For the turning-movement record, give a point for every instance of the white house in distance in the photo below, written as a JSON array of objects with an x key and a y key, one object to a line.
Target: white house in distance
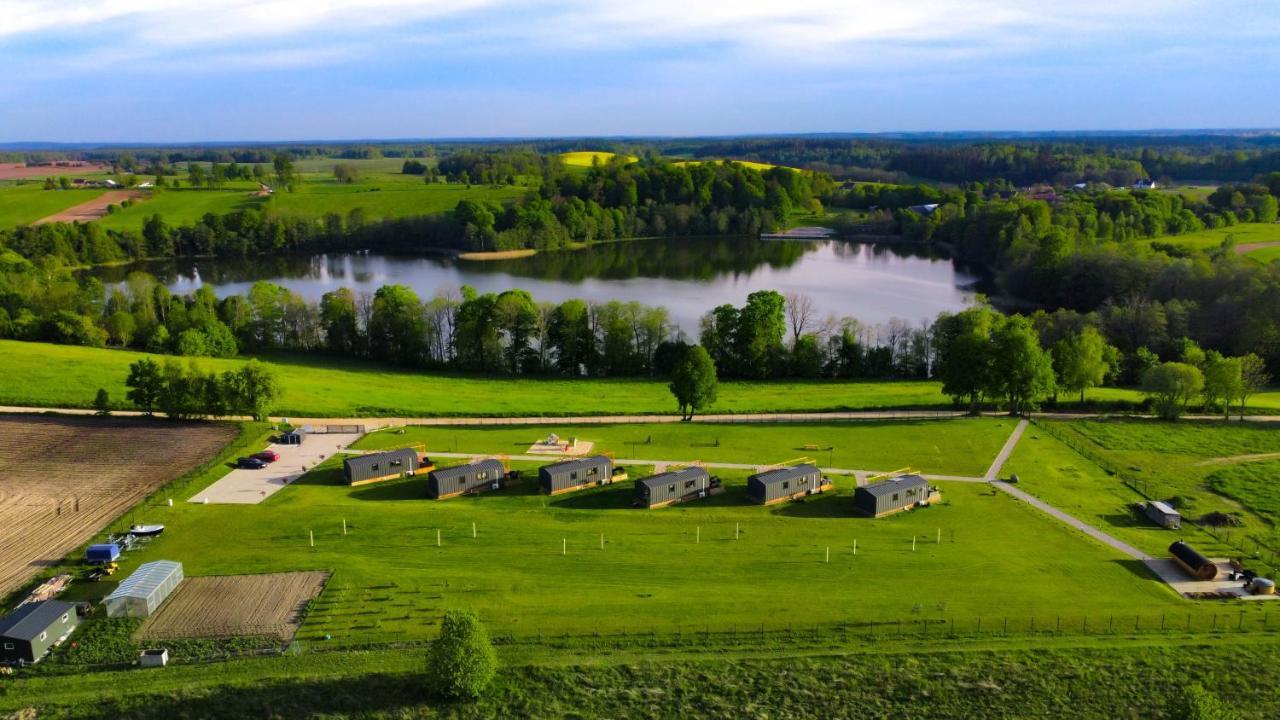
[{"x": 1145, "y": 184}]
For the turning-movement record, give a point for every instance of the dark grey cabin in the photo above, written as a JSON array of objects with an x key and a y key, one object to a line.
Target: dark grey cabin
[
  {"x": 379, "y": 466},
  {"x": 785, "y": 483},
  {"x": 575, "y": 474},
  {"x": 672, "y": 487},
  {"x": 473, "y": 477},
  {"x": 889, "y": 496},
  {"x": 29, "y": 632}
]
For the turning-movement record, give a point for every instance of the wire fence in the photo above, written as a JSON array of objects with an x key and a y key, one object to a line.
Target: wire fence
[{"x": 725, "y": 417}]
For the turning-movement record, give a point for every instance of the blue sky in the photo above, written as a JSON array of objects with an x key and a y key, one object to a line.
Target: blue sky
[{"x": 186, "y": 70}]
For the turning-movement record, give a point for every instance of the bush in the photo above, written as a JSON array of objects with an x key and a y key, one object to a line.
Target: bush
[{"x": 461, "y": 662}]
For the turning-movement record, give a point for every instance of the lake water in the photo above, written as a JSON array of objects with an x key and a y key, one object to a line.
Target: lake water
[{"x": 687, "y": 276}]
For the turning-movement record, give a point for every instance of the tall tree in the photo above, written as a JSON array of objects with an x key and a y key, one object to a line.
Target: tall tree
[
  {"x": 1081, "y": 360},
  {"x": 1171, "y": 386},
  {"x": 693, "y": 382},
  {"x": 1253, "y": 377},
  {"x": 145, "y": 384},
  {"x": 1021, "y": 371}
]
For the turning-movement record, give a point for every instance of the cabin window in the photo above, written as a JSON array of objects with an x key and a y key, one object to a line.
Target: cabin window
[
  {"x": 786, "y": 484},
  {"x": 592, "y": 471},
  {"x": 43, "y": 635},
  {"x": 671, "y": 487},
  {"x": 895, "y": 497},
  {"x": 396, "y": 463},
  {"x": 804, "y": 481},
  {"x": 373, "y": 466},
  {"x": 8, "y": 646},
  {"x": 689, "y": 483},
  {"x": 65, "y": 617},
  {"x": 482, "y": 475},
  {"x": 573, "y": 476}
]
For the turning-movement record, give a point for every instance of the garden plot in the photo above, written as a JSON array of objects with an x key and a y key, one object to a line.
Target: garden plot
[{"x": 270, "y": 605}]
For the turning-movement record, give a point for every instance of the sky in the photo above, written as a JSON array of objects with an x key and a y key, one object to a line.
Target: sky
[{"x": 234, "y": 70}]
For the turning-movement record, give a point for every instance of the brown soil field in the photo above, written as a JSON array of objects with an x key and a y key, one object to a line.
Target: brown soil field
[
  {"x": 93, "y": 209},
  {"x": 19, "y": 171},
  {"x": 233, "y": 605},
  {"x": 64, "y": 479}
]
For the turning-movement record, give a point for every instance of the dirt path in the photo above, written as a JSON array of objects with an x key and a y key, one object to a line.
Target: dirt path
[
  {"x": 1080, "y": 525},
  {"x": 1250, "y": 247},
  {"x": 91, "y": 210},
  {"x": 994, "y": 471},
  {"x": 1238, "y": 459}
]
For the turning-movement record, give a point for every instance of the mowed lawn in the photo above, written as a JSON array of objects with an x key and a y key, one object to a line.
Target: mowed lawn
[
  {"x": 23, "y": 204},
  {"x": 319, "y": 386},
  {"x": 963, "y": 446},
  {"x": 183, "y": 206},
  {"x": 384, "y": 196},
  {"x": 535, "y": 564}
]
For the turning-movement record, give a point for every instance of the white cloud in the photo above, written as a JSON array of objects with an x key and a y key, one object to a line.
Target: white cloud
[{"x": 805, "y": 33}]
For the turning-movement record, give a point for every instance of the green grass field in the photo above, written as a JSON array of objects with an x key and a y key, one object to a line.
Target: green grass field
[
  {"x": 320, "y": 386},
  {"x": 535, "y": 566},
  {"x": 381, "y": 196},
  {"x": 955, "y": 447},
  {"x": 23, "y": 204},
  {"x": 1243, "y": 234}
]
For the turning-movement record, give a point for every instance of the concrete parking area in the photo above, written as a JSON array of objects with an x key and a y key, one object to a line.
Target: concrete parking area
[{"x": 247, "y": 487}]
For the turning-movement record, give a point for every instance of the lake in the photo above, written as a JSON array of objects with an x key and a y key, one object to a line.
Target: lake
[{"x": 872, "y": 282}]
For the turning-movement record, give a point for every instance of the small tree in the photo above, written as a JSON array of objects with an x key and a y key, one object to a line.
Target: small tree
[
  {"x": 1222, "y": 382},
  {"x": 102, "y": 402},
  {"x": 255, "y": 388},
  {"x": 1171, "y": 386},
  {"x": 461, "y": 661},
  {"x": 145, "y": 384},
  {"x": 1253, "y": 376},
  {"x": 693, "y": 382}
]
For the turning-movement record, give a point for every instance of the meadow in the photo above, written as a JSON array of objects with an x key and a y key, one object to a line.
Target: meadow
[
  {"x": 1243, "y": 234},
  {"x": 586, "y": 562},
  {"x": 26, "y": 202}
]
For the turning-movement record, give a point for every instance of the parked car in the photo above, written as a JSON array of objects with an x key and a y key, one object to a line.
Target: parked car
[
  {"x": 250, "y": 463},
  {"x": 267, "y": 456}
]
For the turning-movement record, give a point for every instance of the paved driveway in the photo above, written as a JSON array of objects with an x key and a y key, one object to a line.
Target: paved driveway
[{"x": 254, "y": 486}]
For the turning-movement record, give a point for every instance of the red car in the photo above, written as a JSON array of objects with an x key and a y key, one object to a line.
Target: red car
[{"x": 269, "y": 456}]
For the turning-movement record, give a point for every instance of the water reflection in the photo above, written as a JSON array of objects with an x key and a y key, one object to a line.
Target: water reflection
[{"x": 688, "y": 276}]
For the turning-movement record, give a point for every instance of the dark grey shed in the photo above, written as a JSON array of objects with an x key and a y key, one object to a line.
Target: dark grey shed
[
  {"x": 379, "y": 466},
  {"x": 672, "y": 487},
  {"x": 890, "y": 496},
  {"x": 575, "y": 474},
  {"x": 27, "y": 633},
  {"x": 473, "y": 477},
  {"x": 1163, "y": 515},
  {"x": 785, "y": 483}
]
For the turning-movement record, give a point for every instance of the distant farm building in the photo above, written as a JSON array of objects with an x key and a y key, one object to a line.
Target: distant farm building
[
  {"x": 785, "y": 483},
  {"x": 1163, "y": 515},
  {"x": 1145, "y": 184},
  {"x": 376, "y": 467},
  {"x": 465, "y": 479},
  {"x": 924, "y": 210},
  {"x": 575, "y": 474},
  {"x": 673, "y": 487},
  {"x": 1199, "y": 566},
  {"x": 894, "y": 495},
  {"x": 29, "y": 632},
  {"x": 142, "y": 593}
]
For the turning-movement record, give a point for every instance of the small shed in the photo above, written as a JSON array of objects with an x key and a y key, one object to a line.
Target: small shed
[
  {"x": 1163, "y": 515},
  {"x": 376, "y": 467},
  {"x": 154, "y": 657},
  {"x": 28, "y": 633},
  {"x": 142, "y": 593},
  {"x": 473, "y": 477},
  {"x": 669, "y": 488},
  {"x": 292, "y": 437},
  {"x": 786, "y": 483},
  {"x": 894, "y": 495},
  {"x": 1199, "y": 566},
  {"x": 576, "y": 474}
]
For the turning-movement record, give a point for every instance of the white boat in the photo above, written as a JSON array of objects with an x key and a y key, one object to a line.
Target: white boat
[{"x": 146, "y": 530}]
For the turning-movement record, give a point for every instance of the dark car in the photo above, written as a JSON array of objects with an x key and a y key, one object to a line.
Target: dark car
[
  {"x": 267, "y": 456},
  {"x": 250, "y": 463}
]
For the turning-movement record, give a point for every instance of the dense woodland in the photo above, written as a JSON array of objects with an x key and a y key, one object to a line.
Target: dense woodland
[{"x": 1080, "y": 257}]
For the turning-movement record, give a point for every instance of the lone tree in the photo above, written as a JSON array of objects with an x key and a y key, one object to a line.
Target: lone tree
[
  {"x": 254, "y": 388},
  {"x": 102, "y": 402},
  {"x": 1171, "y": 386},
  {"x": 145, "y": 384},
  {"x": 461, "y": 661},
  {"x": 694, "y": 382},
  {"x": 1253, "y": 376},
  {"x": 1081, "y": 360}
]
